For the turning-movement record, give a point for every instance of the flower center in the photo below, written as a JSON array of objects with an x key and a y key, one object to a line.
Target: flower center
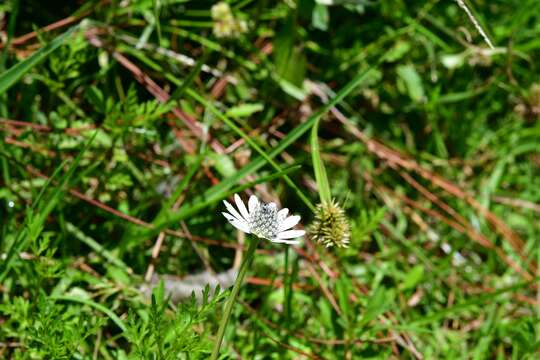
[{"x": 263, "y": 221}]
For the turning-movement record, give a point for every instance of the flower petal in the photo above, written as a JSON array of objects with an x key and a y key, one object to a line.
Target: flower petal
[
  {"x": 239, "y": 224},
  {"x": 233, "y": 211},
  {"x": 253, "y": 203},
  {"x": 241, "y": 207},
  {"x": 282, "y": 214},
  {"x": 228, "y": 216},
  {"x": 289, "y": 222},
  {"x": 289, "y": 242},
  {"x": 291, "y": 234}
]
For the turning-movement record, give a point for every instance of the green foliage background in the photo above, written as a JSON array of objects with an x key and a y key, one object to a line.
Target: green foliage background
[{"x": 124, "y": 120}]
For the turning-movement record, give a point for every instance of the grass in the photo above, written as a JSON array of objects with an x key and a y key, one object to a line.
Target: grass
[{"x": 124, "y": 125}]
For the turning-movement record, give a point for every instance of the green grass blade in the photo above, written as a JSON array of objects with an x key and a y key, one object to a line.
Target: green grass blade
[{"x": 318, "y": 166}]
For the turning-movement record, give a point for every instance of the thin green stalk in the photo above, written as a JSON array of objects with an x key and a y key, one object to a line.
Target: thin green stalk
[
  {"x": 318, "y": 166},
  {"x": 254, "y": 241},
  {"x": 286, "y": 287}
]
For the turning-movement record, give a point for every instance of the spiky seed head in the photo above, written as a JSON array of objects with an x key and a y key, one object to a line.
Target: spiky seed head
[{"x": 331, "y": 225}]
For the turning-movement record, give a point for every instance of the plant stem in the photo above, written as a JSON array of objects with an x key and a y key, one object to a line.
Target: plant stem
[
  {"x": 248, "y": 258},
  {"x": 286, "y": 289}
]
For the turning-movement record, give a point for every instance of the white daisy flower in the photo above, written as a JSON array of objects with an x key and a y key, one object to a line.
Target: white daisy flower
[{"x": 263, "y": 220}]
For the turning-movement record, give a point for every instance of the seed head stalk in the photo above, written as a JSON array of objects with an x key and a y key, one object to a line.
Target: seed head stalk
[{"x": 248, "y": 259}]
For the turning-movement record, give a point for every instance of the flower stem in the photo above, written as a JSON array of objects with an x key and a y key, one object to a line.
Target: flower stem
[
  {"x": 248, "y": 258},
  {"x": 286, "y": 287}
]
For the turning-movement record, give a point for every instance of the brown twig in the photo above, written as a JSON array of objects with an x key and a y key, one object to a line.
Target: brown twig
[
  {"x": 518, "y": 203},
  {"x": 56, "y": 25}
]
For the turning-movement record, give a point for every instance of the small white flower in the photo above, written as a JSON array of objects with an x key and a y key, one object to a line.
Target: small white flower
[{"x": 263, "y": 220}]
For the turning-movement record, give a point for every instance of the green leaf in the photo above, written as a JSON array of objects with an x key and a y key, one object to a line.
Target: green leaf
[
  {"x": 397, "y": 51},
  {"x": 223, "y": 164},
  {"x": 244, "y": 110},
  {"x": 96, "y": 98},
  {"x": 296, "y": 92},
  {"x": 158, "y": 293},
  {"x": 413, "y": 82},
  {"x": 320, "y": 17},
  {"x": 326, "y": 312},
  {"x": 413, "y": 277},
  {"x": 377, "y": 304}
]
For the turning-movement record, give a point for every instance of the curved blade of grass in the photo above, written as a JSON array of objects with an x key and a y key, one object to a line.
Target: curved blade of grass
[
  {"x": 318, "y": 166},
  {"x": 13, "y": 74},
  {"x": 291, "y": 137}
]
